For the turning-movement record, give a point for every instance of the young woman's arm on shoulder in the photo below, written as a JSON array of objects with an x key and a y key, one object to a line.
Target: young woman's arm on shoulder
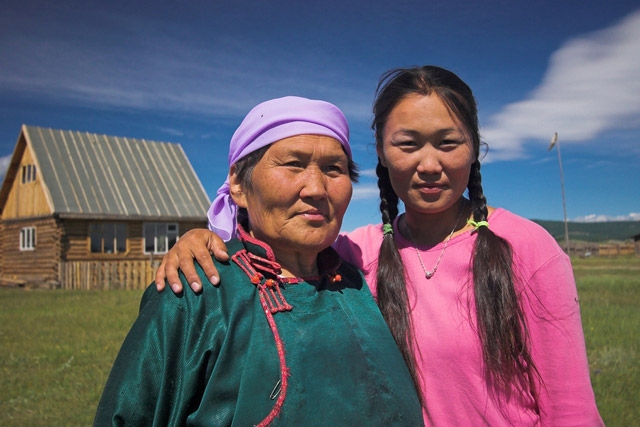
[{"x": 198, "y": 245}]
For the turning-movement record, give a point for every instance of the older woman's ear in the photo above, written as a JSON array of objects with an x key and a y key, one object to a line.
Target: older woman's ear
[{"x": 236, "y": 190}]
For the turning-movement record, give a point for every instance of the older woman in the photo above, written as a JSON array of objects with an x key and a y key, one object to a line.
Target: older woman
[{"x": 294, "y": 337}]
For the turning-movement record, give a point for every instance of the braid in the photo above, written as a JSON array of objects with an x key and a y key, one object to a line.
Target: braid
[
  {"x": 501, "y": 323},
  {"x": 388, "y": 197},
  {"x": 393, "y": 299},
  {"x": 476, "y": 194}
]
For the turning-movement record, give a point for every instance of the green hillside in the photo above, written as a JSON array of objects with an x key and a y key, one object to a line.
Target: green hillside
[{"x": 593, "y": 231}]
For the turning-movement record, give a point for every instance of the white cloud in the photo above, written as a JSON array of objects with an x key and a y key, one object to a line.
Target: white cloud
[
  {"x": 172, "y": 131},
  {"x": 369, "y": 173},
  {"x": 365, "y": 191},
  {"x": 165, "y": 71},
  {"x": 592, "y": 85},
  {"x": 4, "y": 165},
  {"x": 633, "y": 216}
]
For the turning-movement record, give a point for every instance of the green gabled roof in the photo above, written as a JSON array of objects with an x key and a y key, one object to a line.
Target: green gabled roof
[{"x": 88, "y": 174}]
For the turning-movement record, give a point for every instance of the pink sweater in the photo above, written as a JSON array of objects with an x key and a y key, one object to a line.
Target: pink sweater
[{"x": 448, "y": 350}]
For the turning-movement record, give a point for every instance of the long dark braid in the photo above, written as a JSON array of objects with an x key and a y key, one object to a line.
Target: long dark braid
[
  {"x": 392, "y": 296},
  {"x": 501, "y": 321},
  {"x": 501, "y": 325}
]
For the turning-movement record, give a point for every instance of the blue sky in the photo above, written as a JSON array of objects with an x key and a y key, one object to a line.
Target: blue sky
[{"x": 188, "y": 72}]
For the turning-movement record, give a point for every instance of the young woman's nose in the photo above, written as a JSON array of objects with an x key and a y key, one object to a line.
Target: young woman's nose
[{"x": 429, "y": 163}]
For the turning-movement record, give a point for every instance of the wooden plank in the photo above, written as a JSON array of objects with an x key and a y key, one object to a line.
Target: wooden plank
[{"x": 99, "y": 275}]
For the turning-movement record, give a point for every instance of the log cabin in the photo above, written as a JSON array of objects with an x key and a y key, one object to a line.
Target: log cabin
[{"x": 87, "y": 211}]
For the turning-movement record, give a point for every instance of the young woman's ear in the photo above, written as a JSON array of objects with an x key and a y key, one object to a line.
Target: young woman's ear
[
  {"x": 235, "y": 188},
  {"x": 380, "y": 153}
]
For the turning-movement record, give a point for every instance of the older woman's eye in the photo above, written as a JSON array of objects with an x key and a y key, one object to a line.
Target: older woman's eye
[
  {"x": 293, "y": 164},
  {"x": 336, "y": 169},
  {"x": 341, "y": 169}
]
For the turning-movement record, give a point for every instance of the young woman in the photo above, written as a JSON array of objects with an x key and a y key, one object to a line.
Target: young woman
[{"x": 481, "y": 302}]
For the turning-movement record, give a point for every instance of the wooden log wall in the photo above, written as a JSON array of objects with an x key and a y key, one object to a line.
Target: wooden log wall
[
  {"x": 616, "y": 249},
  {"x": 81, "y": 269},
  {"x": 62, "y": 258},
  {"x": 76, "y": 241},
  {"x": 40, "y": 265}
]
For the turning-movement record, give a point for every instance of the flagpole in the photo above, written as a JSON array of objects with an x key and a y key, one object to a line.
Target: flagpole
[{"x": 554, "y": 142}]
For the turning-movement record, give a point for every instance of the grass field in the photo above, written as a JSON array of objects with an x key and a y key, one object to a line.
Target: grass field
[
  {"x": 609, "y": 291},
  {"x": 57, "y": 347},
  {"x": 56, "y": 350}
]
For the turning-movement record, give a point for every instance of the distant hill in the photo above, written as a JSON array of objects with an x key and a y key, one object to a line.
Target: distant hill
[{"x": 593, "y": 231}]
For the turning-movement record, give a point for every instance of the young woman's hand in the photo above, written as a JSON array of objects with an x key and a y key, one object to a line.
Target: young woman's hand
[{"x": 197, "y": 244}]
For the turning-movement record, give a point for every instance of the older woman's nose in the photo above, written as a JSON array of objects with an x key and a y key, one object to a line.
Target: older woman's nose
[{"x": 314, "y": 184}]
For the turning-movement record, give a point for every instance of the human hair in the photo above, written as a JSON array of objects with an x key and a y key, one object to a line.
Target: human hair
[
  {"x": 244, "y": 171},
  {"x": 501, "y": 325}
]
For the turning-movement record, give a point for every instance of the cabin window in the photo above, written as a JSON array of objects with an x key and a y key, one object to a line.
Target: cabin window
[
  {"x": 28, "y": 173},
  {"x": 108, "y": 237},
  {"x": 27, "y": 238},
  {"x": 159, "y": 237}
]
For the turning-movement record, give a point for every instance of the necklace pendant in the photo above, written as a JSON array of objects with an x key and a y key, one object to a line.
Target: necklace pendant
[{"x": 429, "y": 274}]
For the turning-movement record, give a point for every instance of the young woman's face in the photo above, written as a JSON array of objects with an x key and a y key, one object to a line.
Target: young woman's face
[
  {"x": 427, "y": 152},
  {"x": 300, "y": 192}
]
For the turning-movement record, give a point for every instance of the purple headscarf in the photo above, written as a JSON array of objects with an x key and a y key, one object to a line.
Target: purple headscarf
[{"x": 265, "y": 124}]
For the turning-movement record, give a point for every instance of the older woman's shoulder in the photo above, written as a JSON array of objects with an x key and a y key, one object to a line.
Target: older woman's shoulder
[{"x": 234, "y": 288}]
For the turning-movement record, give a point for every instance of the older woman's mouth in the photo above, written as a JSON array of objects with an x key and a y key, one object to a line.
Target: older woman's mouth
[{"x": 314, "y": 215}]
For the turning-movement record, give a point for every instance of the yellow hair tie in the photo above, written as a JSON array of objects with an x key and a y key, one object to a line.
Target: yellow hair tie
[
  {"x": 477, "y": 225},
  {"x": 387, "y": 229}
]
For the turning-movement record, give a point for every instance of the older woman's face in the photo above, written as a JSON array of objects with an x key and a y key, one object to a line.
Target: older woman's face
[{"x": 300, "y": 192}]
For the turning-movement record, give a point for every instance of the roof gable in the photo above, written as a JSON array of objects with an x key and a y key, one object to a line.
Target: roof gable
[{"x": 86, "y": 174}]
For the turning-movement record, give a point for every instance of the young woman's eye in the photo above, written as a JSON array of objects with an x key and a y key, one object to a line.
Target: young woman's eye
[
  {"x": 450, "y": 143},
  {"x": 404, "y": 143}
]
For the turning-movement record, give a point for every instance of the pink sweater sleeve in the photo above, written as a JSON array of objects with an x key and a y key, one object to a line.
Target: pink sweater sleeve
[
  {"x": 361, "y": 248},
  {"x": 553, "y": 314}
]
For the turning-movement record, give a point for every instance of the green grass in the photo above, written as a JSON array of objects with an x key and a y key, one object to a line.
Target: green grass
[
  {"x": 56, "y": 350},
  {"x": 57, "y": 347},
  {"x": 609, "y": 290}
]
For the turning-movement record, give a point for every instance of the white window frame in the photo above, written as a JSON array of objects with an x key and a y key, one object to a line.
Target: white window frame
[
  {"x": 165, "y": 234},
  {"x": 27, "y": 238}
]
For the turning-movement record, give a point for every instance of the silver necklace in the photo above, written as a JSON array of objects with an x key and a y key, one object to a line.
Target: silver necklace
[{"x": 430, "y": 273}]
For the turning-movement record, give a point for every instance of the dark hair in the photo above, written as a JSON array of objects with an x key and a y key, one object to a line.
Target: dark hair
[
  {"x": 244, "y": 171},
  {"x": 500, "y": 320}
]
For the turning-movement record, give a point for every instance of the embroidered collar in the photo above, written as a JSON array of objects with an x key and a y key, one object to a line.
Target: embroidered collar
[{"x": 263, "y": 259}]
